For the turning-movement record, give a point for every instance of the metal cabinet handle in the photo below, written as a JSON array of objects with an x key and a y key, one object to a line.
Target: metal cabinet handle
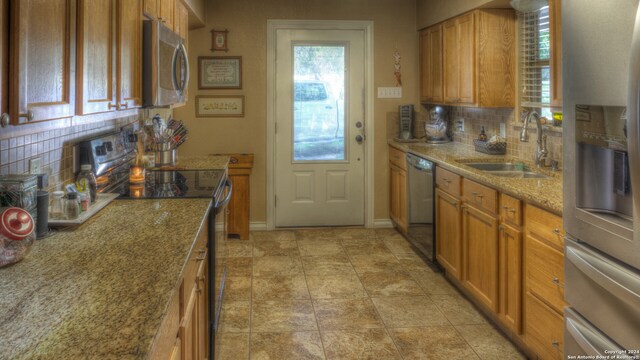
[
  {"x": 477, "y": 195},
  {"x": 508, "y": 209},
  {"x": 447, "y": 180},
  {"x": 555, "y": 343},
  {"x": 113, "y": 106},
  {"x": 501, "y": 227},
  {"x": 200, "y": 258},
  {"x": 124, "y": 105},
  {"x": 29, "y": 115},
  {"x": 556, "y": 231},
  {"x": 4, "y": 120},
  {"x": 556, "y": 281},
  {"x": 202, "y": 251}
]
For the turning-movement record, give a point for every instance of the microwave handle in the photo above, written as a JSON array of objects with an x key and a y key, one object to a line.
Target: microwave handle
[{"x": 183, "y": 49}]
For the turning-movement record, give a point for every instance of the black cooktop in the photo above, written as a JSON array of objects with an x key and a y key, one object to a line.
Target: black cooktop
[{"x": 161, "y": 184}]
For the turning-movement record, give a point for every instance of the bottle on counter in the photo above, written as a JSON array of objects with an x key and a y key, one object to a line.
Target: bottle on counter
[
  {"x": 73, "y": 206},
  {"x": 86, "y": 182},
  {"x": 483, "y": 135},
  {"x": 84, "y": 199}
]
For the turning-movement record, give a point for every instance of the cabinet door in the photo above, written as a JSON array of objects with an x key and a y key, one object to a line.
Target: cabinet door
[
  {"x": 511, "y": 278},
  {"x": 451, "y": 61},
  {"x": 448, "y": 231},
  {"x": 129, "y": 54},
  {"x": 435, "y": 64},
  {"x": 96, "y": 47},
  {"x": 480, "y": 254},
  {"x": 166, "y": 12},
  {"x": 181, "y": 20},
  {"x": 202, "y": 289},
  {"x": 466, "y": 56},
  {"x": 4, "y": 59},
  {"x": 555, "y": 22},
  {"x": 398, "y": 211},
  {"x": 151, "y": 8},
  {"x": 425, "y": 91},
  {"x": 43, "y": 60},
  {"x": 188, "y": 327}
]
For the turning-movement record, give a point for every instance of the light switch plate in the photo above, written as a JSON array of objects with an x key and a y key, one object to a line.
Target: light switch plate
[
  {"x": 460, "y": 124},
  {"x": 35, "y": 166},
  {"x": 389, "y": 92}
]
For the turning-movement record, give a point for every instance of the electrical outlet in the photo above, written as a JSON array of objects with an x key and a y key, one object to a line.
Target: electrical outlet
[
  {"x": 460, "y": 124},
  {"x": 389, "y": 92},
  {"x": 35, "y": 166}
]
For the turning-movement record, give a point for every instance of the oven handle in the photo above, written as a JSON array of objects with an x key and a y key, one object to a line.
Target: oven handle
[{"x": 226, "y": 200}]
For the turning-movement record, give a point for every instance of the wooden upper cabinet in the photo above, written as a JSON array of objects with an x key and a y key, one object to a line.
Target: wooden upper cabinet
[
  {"x": 555, "y": 22},
  {"x": 478, "y": 59},
  {"x": 152, "y": 8},
  {"x": 166, "y": 15},
  {"x": 43, "y": 46},
  {"x": 4, "y": 60},
  {"x": 431, "y": 64},
  {"x": 181, "y": 20},
  {"x": 96, "y": 55},
  {"x": 129, "y": 54}
]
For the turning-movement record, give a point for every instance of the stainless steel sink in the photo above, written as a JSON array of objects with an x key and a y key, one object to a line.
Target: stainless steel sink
[{"x": 511, "y": 170}]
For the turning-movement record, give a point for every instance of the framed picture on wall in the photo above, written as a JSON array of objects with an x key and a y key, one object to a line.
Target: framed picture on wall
[
  {"x": 220, "y": 106},
  {"x": 219, "y": 40},
  {"x": 219, "y": 72}
]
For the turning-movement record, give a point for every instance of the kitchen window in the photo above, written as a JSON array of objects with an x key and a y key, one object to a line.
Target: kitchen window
[{"x": 535, "y": 59}]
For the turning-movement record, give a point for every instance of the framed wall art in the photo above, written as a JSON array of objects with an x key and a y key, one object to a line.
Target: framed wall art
[
  {"x": 219, "y": 72},
  {"x": 219, "y": 40},
  {"x": 219, "y": 106}
]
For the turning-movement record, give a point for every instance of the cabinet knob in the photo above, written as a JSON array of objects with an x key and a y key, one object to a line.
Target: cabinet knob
[
  {"x": 555, "y": 343},
  {"x": 556, "y": 231},
  {"x": 556, "y": 281},
  {"x": 4, "y": 120},
  {"x": 29, "y": 115}
]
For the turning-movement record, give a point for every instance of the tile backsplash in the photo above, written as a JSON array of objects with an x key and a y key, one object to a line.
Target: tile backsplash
[
  {"x": 490, "y": 119},
  {"x": 54, "y": 146}
]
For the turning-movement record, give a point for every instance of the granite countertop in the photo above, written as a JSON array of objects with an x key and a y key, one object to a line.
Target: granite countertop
[
  {"x": 99, "y": 290},
  {"x": 546, "y": 193}
]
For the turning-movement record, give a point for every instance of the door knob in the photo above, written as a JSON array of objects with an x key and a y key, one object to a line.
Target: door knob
[{"x": 359, "y": 138}]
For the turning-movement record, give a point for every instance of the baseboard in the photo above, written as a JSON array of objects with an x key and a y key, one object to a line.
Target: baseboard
[
  {"x": 382, "y": 223},
  {"x": 258, "y": 226}
]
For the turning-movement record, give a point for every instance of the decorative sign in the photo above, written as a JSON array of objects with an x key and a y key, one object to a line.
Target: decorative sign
[
  {"x": 222, "y": 72},
  {"x": 219, "y": 40},
  {"x": 219, "y": 106}
]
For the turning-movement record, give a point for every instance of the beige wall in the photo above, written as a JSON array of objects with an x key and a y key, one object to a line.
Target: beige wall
[
  {"x": 246, "y": 20},
  {"x": 431, "y": 12}
]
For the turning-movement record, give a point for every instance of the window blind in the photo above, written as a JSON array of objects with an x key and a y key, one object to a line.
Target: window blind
[{"x": 535, "y": 76}]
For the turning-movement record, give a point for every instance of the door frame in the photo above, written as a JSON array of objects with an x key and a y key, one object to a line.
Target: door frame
[{"x": 272, "y": 28}]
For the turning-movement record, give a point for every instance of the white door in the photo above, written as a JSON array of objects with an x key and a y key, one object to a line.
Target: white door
[{"x": 319, "y": 147}]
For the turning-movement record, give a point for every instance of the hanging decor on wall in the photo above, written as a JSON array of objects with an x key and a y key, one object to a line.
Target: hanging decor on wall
[
  {"x": 219, "y": 40},
  {"x": 221, "y": 72},
  {"x": 219, "y": 106},
  {"x": 396, "y": 65}
]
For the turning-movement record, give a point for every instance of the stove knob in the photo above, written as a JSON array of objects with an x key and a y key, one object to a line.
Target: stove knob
[
  {"x": 133, "y": 138},
  {"x": 101, "y": 150},
  {"x": 108, "y": 145}
]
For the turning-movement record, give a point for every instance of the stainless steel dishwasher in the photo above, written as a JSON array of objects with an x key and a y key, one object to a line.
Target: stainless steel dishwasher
[{"x": 420, "y": 202}]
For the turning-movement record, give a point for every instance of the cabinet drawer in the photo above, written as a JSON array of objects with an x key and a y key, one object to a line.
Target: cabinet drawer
[
  {"x": 544, "y": 329},
  {"x": 544, "y": 225},
  {"x": 480, "y": 196},
  {"x": 397, "y": 158},
  {"x": 448, "y": 181},
  {"x": 544, "y": 271},
  {"x": 510, "y": 210}
]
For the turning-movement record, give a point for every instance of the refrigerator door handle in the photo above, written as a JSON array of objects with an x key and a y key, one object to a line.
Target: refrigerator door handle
[
  {"x": 633, "y": 105},
  {"x": 613, "y": 278}
]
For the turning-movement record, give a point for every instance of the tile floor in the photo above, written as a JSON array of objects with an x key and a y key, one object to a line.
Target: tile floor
[{"x": 345, "y": 294}]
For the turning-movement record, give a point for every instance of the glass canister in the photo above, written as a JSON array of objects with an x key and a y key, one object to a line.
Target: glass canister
[
  {"x": 57, "y": 208},
  {"x": 16, "y": 235},
  {"x": 73, "y": 206}
]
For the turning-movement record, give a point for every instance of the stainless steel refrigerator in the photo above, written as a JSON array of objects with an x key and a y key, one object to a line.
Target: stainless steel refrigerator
[{"x": 601, "y": 179}]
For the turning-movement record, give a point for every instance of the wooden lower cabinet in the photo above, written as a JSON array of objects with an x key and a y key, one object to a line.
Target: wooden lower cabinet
[
  {"x": 544, "y": 329},
  {"x": 480, "y": 254},
  {"x": 240, "y": 166},
  {"x": 202, "y": 301},
  {"x": 398, "y": 198},
  {"x": 448, "y": 234},
  {"x": 176, "y": 351},
  {"x": 510, "y": 277}
]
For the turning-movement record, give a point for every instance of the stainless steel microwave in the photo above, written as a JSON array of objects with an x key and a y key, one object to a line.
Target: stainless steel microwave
[{"x": 165, "y": 74}]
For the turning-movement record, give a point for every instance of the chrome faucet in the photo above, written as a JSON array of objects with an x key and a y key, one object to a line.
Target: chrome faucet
[{"x": 541, "y": 150}]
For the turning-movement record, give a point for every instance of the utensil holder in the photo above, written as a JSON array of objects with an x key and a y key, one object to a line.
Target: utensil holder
[{"x": 165, "y": 158}]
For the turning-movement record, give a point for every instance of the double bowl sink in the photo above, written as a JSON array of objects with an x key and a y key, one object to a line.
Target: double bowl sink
[{"x": 507, "y": 169}]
